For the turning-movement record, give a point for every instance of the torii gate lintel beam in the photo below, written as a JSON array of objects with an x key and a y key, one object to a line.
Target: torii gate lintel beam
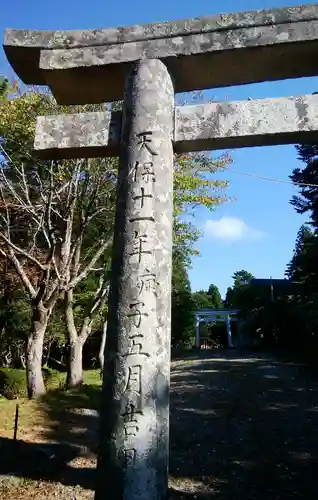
[{"x": 213, "y": 126}]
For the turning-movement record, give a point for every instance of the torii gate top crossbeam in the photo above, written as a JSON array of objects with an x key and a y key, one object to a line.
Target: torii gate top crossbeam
[
  {"x": 215, "y": 314},
  {"x": 90, "y": 66}
]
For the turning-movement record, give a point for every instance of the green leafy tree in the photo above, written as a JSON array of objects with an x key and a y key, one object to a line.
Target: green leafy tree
[
  {"x": 303, "y": 265},
  {"x": 239, "y": 295},
  {"x": 242, "y": 278},
  {"x": 257, "y": 312},
  {"x": 182, "y": 320},
  {"x": 201, "y": 300},
  {"x": 15, "y": 322},
  {"x": 302, "y": 270},
  {"x": 51, "y": 212},
  {"x": 4, "y": 86},
  {"x": 214, "y": 296}
]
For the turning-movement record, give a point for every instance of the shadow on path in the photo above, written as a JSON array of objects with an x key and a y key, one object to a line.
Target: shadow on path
[
  {"x": 43, "y": 462},
  {"x": 244, "y": 426}
]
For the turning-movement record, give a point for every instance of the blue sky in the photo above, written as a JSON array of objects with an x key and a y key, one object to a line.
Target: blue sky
[{"x": 257, "y": 231}]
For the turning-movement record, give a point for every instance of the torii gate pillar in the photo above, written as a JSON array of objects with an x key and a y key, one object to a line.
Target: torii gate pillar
[
  {"x": 229, "y": 331},
  {"x": 133, "y": 454},
  {"x": 197, "y": 334}
]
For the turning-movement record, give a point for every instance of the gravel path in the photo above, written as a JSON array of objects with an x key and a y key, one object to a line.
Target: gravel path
[{"x": 243, "y": 427}]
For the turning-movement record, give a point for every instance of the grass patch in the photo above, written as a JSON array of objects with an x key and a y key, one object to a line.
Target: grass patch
[
  {"x": 12, "y": 383},
  {"x": 86, "y": 396},
  {"x": 38, "y": 417},
  {"x": 92, "y": 377},
  {"x": 28, "y": 416}
]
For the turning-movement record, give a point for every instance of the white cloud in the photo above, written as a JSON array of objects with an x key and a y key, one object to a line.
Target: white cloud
[{"x": 230, "y": 229}]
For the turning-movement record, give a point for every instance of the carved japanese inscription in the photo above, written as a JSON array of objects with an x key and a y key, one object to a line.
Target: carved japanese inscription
[
  {"x": 130, "y": 456},
  {"x": 136, "y": 347},
  {"x": 133, "y": 384},
  {"x": 140, "y": 242},
  {"x": 145, "y": 142},
  {"x": 136, "y": 313},
  {"x": 147, "y": 282},
  {"x": 142, "y": 197},
  {"x": 144, "y": 282},
  {"x": 145, "y": 171},
  {"x": 130, "y": 420}
]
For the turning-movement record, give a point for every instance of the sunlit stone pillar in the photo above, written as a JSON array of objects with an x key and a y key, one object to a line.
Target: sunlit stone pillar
[{"x": 134, "y": 440}]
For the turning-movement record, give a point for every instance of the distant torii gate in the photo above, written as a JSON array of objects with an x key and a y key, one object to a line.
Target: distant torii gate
[{"x": 207, "y": 315}]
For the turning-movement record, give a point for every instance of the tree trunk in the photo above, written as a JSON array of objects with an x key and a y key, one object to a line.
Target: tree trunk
[
  {"x": 75, "y": 369},
  {"x": 35, "y": 382},
  {"x": 101, "y": 355},
  {"x": 75, "y": 366},
  {"x": 76, "y": 342}
]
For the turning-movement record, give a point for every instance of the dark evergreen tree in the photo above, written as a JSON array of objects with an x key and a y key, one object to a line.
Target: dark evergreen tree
[
  {"x": 183, "y": 322},
  {"x": 238, "y": 296},
  {"x": 201, "y": 300},
  {"x": 307, "y": 199},
  {"x": 214, "y": 296},
  {"x": 303, "y": 267}
]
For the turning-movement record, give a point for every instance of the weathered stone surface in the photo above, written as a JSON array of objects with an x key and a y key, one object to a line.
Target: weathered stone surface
[
  {"x": 284, "y": 42},
  {"x": 87, "y": 135},
  {"x": 260, "y": 122},
  {"x": 108, "y": 36},
  {"x": 212, "y": 126},
  {"x": 133, "y": 455}
]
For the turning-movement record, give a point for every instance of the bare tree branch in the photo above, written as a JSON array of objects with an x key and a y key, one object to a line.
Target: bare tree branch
[
  {"x": 91, "y": 264},
  {"x": 77, "y": 256},
  {"x": 26, "y": 189},
  {"x": 97, "y": 212},
  {"x": 7, "y": 219},
  {"x": 22, "y": 205},
  {"x": 20, "y": 271},
  {"x": 22, "y": 252},
  {"x": 7, "y": 183}
]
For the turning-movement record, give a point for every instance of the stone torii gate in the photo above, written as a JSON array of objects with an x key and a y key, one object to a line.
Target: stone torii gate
[
  {"x": 146, "y": 65},
  {"x": 208, "y": 315}
]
